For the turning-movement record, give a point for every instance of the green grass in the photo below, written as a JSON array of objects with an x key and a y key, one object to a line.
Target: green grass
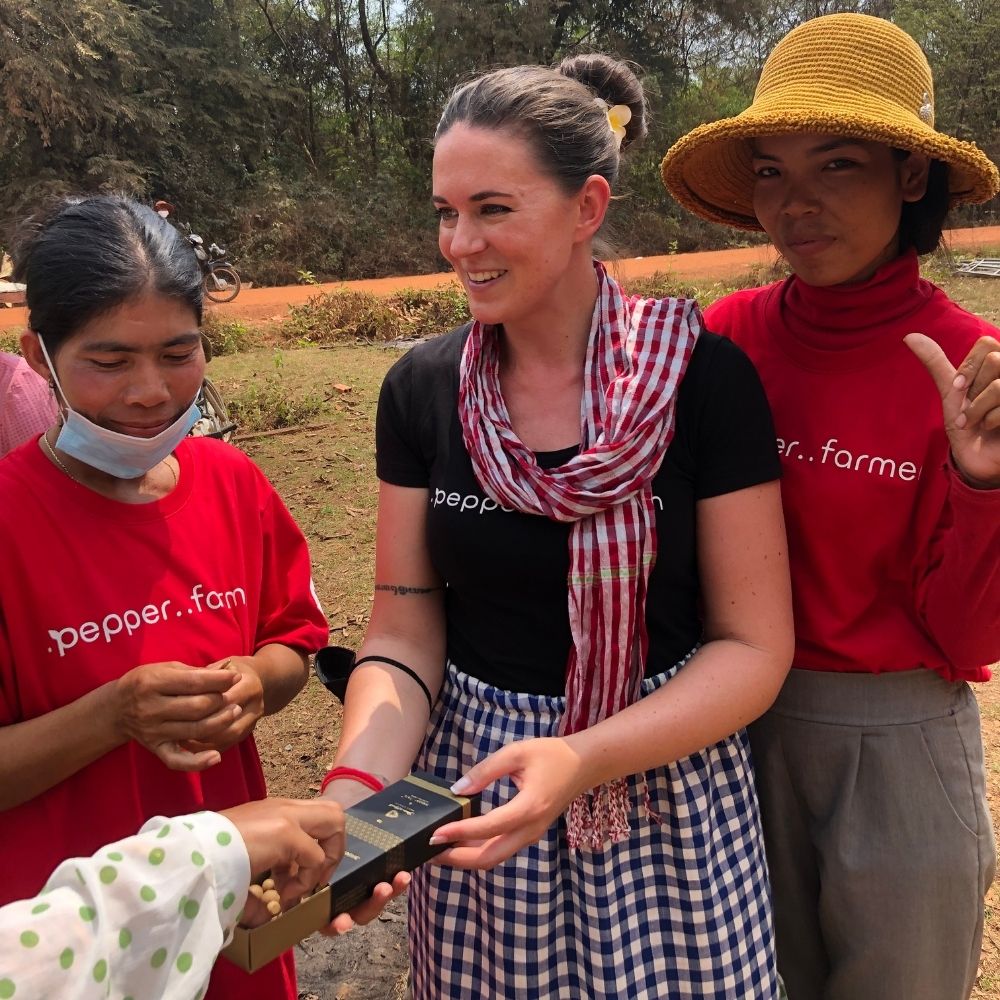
[{"x": 325, "y": 475}]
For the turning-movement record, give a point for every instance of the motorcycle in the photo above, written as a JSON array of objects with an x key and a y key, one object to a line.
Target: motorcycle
[{"x": 222, "y": 280}]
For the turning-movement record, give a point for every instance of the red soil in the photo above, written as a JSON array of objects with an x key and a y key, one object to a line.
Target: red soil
[{"x": 261, "y": 304}]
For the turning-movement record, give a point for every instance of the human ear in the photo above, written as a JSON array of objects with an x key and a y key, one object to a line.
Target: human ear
[
  {"x": 913, "y": 174},
  {"x": 31, "y": 351},
  {"x": 592, "y": 201}
]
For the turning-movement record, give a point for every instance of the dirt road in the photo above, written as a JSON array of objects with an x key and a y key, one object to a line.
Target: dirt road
[{"x": 257, "y": 305}]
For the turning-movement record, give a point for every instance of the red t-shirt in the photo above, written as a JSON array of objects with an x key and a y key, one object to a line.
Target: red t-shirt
[
  {"x": 91, "y": 588},
  {"x": 895, "y": 561}
]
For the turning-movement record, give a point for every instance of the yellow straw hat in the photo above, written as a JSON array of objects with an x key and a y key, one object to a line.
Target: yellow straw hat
[{"x": 842, "y": 74}]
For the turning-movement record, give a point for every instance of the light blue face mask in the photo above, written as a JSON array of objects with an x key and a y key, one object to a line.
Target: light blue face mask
[{"x": 119, "y": 455}]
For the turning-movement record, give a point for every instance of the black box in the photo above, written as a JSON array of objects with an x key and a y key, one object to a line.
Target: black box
[{"x": 386, "y": 833}]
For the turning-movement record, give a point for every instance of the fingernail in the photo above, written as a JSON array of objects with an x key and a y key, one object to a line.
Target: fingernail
[
  {"x": 435, "y": 840},
  {"x": 237, "y": 710},
  {"x": 461, "y": 786},
  {"x": 960, "y": 382},
  {"x": 961, "y": 420}
]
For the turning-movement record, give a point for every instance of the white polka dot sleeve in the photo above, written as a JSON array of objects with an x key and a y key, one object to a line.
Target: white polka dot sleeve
[{"x": 142, "y": 918}]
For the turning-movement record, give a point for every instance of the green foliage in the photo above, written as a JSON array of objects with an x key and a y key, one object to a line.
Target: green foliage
[
  {"x": 961, "y": 39},
  {"x": 361, "y": 316},
  {"x": 299, "y": 135},
  {"x": 436, "y": 310},
  {"x": 265, "y": 404},
  {"x": 72, "y": 112},
  {"x": 146, "y": 96},
  {"x": 353, "y": 232},
  {"x": 329, "y": 317},
  {"x": 226, "y": 336}
]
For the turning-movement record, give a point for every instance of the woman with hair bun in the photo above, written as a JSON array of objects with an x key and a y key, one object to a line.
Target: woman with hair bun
[{"x": 581, "y": 591}]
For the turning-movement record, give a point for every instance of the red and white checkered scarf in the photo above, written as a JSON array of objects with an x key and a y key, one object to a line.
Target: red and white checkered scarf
[{"x": 636, "y": 356}]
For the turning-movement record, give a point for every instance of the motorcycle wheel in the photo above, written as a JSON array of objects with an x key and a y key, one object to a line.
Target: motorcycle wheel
[
  {"x": 215, "y": 419},
  {"x": 222, "y": 283}
]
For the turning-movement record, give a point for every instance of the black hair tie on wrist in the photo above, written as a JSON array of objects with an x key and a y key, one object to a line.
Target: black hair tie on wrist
[
  {"x": 405, "y": 669},
  {"x": 333, "y": 666}
]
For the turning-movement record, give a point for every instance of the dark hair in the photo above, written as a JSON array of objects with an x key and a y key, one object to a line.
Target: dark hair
[
  {"x": 557, "y": 111},
  {"x": 922, "y": 222},
  {"x": 90, "y": 255}
]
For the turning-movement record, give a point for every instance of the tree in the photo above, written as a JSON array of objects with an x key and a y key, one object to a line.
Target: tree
[
  {"x": 300, "y": 132},
  {"x": 72, "y": 81}
]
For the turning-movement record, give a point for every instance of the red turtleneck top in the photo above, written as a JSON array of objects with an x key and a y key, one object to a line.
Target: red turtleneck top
[{"x": 895, "y": 561}]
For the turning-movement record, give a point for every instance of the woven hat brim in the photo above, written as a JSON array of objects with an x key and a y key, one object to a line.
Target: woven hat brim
[{"x": 709, "y": 170}]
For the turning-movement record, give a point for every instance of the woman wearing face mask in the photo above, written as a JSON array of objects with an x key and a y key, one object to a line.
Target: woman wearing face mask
[
  {"x": 156, "y": 598},
  {"x": 886, "y": 397}
]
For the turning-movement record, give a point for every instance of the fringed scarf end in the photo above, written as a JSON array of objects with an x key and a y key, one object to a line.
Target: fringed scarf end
[{"x": 600, "y": 817}]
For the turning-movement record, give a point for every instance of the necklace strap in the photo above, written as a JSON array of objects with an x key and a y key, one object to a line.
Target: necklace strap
[
  {"x": 173, "y": 471},
  {"x": 55, "y": 458}
]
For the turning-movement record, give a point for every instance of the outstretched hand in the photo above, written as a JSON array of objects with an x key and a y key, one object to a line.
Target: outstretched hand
[
  {"x": 970, "y": 400},
  {"x": 298, "y": 842},
  {"x": 367, "y": 911},
  {"x": 548, "y": 775}
]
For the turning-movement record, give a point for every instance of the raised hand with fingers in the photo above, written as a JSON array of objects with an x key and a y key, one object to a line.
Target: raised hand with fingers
[{"x": 970, "y": 400}]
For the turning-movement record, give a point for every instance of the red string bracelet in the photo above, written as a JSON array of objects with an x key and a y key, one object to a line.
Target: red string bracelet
[{"x": 352, "y": 773}]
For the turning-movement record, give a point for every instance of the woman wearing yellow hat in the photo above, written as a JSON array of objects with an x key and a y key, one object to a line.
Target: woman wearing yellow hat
[{"x": 870, "y": 763}]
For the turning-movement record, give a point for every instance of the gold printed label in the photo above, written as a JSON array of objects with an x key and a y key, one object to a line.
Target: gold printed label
[
  {"x": 371, "y": 834},
  {"x": 437, "y": 790},
  {"x": 440, "y": 792}
]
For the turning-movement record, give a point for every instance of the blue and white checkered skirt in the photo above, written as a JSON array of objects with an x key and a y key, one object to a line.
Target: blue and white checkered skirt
[{"x": 678, "y": 910}]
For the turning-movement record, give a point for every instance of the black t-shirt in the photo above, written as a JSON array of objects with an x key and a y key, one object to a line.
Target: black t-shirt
[{"x": 506, "y": 598}]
